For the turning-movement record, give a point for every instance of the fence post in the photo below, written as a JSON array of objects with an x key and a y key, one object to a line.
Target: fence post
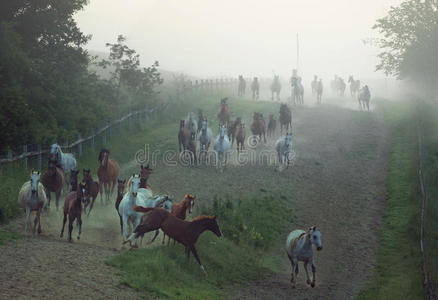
[
  {"x": 80, "y": 144},
  {"x": 40, "y": 157},
  {"x": 25, "y": 157},
  {"x": 9, "y": 157}
]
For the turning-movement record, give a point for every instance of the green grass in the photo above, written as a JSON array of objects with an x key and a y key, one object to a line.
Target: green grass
[
  {"x": 398, "y": 272},
  {"x": 248, "y": 227},
  {"x": 6, "y": 236}
]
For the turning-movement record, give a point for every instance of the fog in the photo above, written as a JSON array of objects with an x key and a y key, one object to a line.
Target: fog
[{"x": 253, "y": 38}]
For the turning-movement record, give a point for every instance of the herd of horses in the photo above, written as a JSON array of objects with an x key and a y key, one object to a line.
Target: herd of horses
[{"x": 140, "y": 210}]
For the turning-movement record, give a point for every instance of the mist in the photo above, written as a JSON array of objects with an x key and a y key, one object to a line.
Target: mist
[{"x": 253, "y": 38}]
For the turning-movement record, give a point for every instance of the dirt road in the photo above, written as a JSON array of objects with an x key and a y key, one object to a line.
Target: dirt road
[{"x": 336, "y": 183}]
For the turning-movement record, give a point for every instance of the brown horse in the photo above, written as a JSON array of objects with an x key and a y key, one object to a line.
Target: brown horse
[
  {"x": 224, "y": 112},
  {"x": 272, "y": 124},
  {"x": 184, "y": 232},
  {"x": 108, "y": 172},
  {"x": 184, "y": 136},
  {"x": 73, "y": 208},
  {"x": 179, "y": 210},
  {"x": 240, "y": 137},
  {"x": 53, "y": 180},
  {"x": 120, "y": 193},
  {"x": 92, "y": 188},
  {"x": 285, "y": 118},
  {"x": 258, "y": 126},
  {"x": 231, "y": 129},
  {"x": 74, "y": 180},
  {"x": 191, "y": 148}
]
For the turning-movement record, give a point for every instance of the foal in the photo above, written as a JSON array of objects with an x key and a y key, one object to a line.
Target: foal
[
  {"x": 73, "y": 208},
  {"x": 179, "y": 210},
  {"x": 120, "y": 193},
  {"x": 92, "y": 188},
  {"x": 184, "y": 232}
]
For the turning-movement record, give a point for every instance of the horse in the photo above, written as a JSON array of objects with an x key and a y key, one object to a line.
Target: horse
[
  {"x": 74, "y": 180},
  {"x": 255, "y": 88},
  {"x": 285, "y": 117},
  {"x": 184, "y": 232},
  {"x": 272, "y": 124},
  {"x": 224, "y": 112},
  {"x": 66, "y": 161},
  {"x": 314, "y": 85},
  {"x": 319, "y": 90},
  {"x": 73, "y": 209},
  {"x": 241, "y": 87},
  {"x": 120, "y": 193},
  {"x": 297, "y": 90},
  {"x": 191, "y": 150},
  {"x": 200, "y": 119},
  {"x": 300, "y": 246},
  {"x": 92, "y": 188},
  {"x": 221, "y": 146},
  {"x": 184, "y": 136},
  {"x": 32, "y": 198},
  {"x": 107, "y": 173},
  {"x": 145, "y": 172},
  {"x": 179, "y": 210},
  {"x": 204, "y": 140},
  {"x": 53, "y": 180},
  {"x": 354, "y": 86},
  {"x": 341, "y": 86},
  {"x": 283, "y": 146},
  {"x": 364, "y": 98},
  {"x": 191, "y": 125},
  {"x": 231, "y": 129},
  {"x": 258, "y": 126},
  {"x": 240, "y": 137},
  {"x": 275, "y": 88}
]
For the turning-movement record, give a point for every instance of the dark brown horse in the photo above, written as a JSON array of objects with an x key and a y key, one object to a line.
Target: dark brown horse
[
  {"x": 285, "y": 118},
  {"x": 107, "y": 173},
  {"x": 258, "y": 126},
  {"x": 73, "y": 209},
  {"x": 184, "y": 232},
  {"x": 272, "y": 124},
  {"x": 53, "y": 180},
  {"x": 120, "y": 193},
  {"x": 224, "y": 112},
  {"x": 74, "y": 180},
  {"x": 231, "y": 129},
  {"x": 92, "y": 188},
  {"x": 179, "y": 210},
  {"x": 240, "y": 137},
  {"x": 184, "y": 136}
]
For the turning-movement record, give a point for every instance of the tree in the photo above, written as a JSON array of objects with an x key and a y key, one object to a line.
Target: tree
[{"x": 410, "y": 40}]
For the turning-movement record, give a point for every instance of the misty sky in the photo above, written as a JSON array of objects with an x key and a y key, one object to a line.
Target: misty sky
[{"x": 230, "y": 37}]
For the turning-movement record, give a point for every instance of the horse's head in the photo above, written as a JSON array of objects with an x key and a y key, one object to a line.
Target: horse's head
[
  {"x": 34, "y": 181},
  {"x": 145, "y": 171},
  {"x": 120, "y": 187},
  {"x": 189, "y": 199},
  {"x": 288, "y": 139},
  {"x": 182, "y": 124},
  {"x": 314, "y": 236},
  {"x": 85, "y": 174},
  {"x": 222, "y": 130},
  {"x": 135, "y": 184},
  {"x": 54, "y": 149},
  {"x": 213, "y": 225},
  {"x": 82, "y": 194},
  {"x": 103, "y": 157},
  {"x": 204, "y": 125}
]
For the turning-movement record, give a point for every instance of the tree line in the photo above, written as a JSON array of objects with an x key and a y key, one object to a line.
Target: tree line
[{"x": 47, "y": 89}]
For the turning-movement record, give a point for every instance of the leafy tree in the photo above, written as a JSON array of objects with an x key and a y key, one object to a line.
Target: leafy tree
[{"x": 410, "y": 41}]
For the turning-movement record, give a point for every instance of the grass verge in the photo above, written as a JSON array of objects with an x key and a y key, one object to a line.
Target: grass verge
[{"x": 398, "y": 272}]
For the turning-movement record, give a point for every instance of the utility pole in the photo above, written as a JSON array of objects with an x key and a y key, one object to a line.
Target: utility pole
[{"x": 298, "y": 53}]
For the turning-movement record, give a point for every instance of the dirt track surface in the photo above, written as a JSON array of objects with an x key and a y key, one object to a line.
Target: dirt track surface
[{"x": 336, "y": 182}]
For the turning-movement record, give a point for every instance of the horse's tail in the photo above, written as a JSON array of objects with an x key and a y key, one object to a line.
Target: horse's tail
[{"x": 142, "y": 209}]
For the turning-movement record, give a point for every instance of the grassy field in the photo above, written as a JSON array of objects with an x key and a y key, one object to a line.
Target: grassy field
[{"x": 398, "y": 272}]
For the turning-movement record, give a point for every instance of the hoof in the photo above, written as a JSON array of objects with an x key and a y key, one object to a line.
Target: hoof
[
  {"x": 308, "y": 281},
  {"x": 79, "y": 237},
  {"x": 293, "y": 286},
  {"x": 313, "y": 284},
  {"x": 70, "y": 241}
]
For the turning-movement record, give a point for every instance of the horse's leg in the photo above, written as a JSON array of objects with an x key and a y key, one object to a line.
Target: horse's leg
[
  {"x": 155, "y": 236},
  {"x": 101, "y": 191},
  {"x": 307, "y": 272},
  {"x": 39, "y": 219},
  {"x": 195, "y": 253},
  {"x": 91, "y": 207},
  {"x": 57, "y": 194},
  {"x": 63, "y": 225},
  {"x": 121, "y": 224},
  {"x": 70, "y": 226},
  {"x": 48, "y": 197},
  {"x": 114, "y": 183},
  {"x": 296, "y": 271},
  {"x": 164, "y": 238},
  {"x": 313, "y": 273},
  {"x": 80, "y": 226},
  {"x": 26, "y": 227},
  {"x": 125, "y": 226}
]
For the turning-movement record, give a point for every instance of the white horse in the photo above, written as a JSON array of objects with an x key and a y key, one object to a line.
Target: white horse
[
  {"x": 204, "y": 140},
  {"x": 300, "y": 246},
  {"x": 192, "y": 125},
  {"x": 283, "y": 147},
  {"x": 221, "y": 146},
  {"x": 67, "y": 161},
  {"x": 364, "y": 98},
  {"x": 297, "y": 90},
  {"x": 32, "y": 198}
]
